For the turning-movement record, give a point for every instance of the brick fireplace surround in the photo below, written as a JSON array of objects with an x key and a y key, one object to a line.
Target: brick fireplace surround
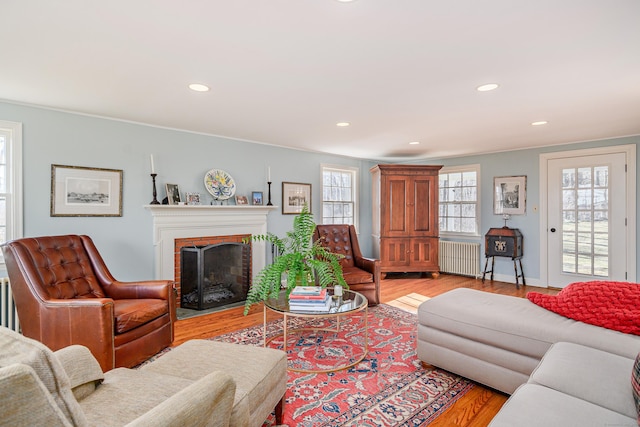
[{"x": 204, "y": 224}]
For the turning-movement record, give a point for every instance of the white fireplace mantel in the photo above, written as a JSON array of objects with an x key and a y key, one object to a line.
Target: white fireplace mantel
[{"x": 171, "y": 222}]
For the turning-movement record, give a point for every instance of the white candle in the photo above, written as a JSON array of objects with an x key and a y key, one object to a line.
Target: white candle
[
  {"x": 153, "y": 168},
  {"x": 269, "y": 174},
  {"x": 337, "y": 291}
]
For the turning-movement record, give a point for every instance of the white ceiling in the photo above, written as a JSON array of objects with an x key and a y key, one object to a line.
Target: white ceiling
[{"x": 284, "y": 72}]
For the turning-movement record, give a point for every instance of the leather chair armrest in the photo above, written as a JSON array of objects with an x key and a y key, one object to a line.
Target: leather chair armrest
[
  {"x": 153, "y": 289},
  {"x": 25, "y": 399},
  {"x": 206, "y": 402},
  {"x": 367, "y": 264},
  {"x": 63, "y": 323}
]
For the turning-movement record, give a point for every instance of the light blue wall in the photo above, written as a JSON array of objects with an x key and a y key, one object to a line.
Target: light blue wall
[
  {"x": 522, "y": 162},
  {"x": 54, "y": 137}
]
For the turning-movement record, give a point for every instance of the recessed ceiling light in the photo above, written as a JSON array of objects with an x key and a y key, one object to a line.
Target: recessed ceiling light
[
  {"x": 343, "y": 124},
  {"x": 540, "y": 123},
  {"x": 199, "y": 87},
  {"x": 487, "y": 87},
  {"x": 414, "y": 143}
]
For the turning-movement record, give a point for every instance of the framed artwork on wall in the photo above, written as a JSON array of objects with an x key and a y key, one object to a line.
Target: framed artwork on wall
[
  {"x": 83, "y": 191},
  {"x": 509, "y": 195},
  {"x": 294, "y": 197}
]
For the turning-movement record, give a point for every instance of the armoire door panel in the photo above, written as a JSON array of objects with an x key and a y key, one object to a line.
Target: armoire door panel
[
  {"x": 397, "y": 208},
  {"x": 424, "y": 253},
  {"x": 395, "y": 252},
  {"x": 422, "y": 221}
]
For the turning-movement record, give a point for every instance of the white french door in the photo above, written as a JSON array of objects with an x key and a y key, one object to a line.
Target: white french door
[{"x": 586, "y": 231}]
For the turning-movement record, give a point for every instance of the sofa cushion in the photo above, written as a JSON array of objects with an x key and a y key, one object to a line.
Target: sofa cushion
[
  {"x": 127, "y": 394},
  {"x": 635, "y": 384},
  {"x": 354, "y": 275},
  {"x": 132, "y": 313},
  {"x": 16, "y": 348},
  {"x": 612, "y": 305},
  {"x": 593, "y": 375},
  {"x": 533, "y": 405}
]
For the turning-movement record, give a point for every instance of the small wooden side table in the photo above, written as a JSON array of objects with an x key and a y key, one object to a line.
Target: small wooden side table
[{"x": 503, "y": 242}]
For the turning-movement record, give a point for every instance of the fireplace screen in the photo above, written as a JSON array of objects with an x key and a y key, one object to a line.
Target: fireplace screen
[{"x": 214, "y": 275}]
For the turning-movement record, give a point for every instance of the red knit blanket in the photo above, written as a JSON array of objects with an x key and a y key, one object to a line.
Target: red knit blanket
[{"x": 612, "y": 305}]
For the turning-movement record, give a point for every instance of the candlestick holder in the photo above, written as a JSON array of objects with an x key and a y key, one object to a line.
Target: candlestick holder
[
  {"x": 155, "y": 193},
  {"x": 269, "y": 195}
]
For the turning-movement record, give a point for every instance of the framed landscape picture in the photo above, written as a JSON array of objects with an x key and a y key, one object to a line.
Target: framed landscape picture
[
  {"x": 294, "y": 196},
  {"x": 83, "y": 191}
]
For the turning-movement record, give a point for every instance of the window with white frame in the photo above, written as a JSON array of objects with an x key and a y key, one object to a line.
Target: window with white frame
[
  {"x": 339, "y": 191},
  {"x": 10, "y": 182},
  {"x": 459, "y": 193}
]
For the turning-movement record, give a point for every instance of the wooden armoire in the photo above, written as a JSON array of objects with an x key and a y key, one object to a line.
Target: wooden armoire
[{"x": 405, "y": 217}]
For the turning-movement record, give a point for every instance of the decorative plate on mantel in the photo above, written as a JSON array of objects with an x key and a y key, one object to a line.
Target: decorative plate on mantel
[{"x": 219, "y": 184}]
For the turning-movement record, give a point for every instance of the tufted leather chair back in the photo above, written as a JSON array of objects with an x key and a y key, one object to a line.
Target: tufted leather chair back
[
  {"x": 60, "y": 267},
  {"x": 337, "y": 238}
]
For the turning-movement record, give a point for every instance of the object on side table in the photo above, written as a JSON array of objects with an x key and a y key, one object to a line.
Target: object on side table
[
  {"x": 504, "y": 242},
  {"x": 65, "y": 294}
]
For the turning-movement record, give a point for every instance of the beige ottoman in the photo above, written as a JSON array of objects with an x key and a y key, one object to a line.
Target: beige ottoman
[{"x": 260, "y": 375}]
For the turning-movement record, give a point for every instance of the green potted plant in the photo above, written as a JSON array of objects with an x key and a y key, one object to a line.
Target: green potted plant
[{"x": 300, "y": 260}]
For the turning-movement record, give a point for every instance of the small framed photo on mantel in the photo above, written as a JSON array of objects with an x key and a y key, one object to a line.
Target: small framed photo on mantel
[
  {"x": 173, "y": 194},
  {"x": 256, "y": 198},
  {"x": 242, "y": 200}
]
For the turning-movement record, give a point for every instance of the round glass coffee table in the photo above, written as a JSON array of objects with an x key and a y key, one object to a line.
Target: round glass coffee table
[{"x": 321, "y": 341}]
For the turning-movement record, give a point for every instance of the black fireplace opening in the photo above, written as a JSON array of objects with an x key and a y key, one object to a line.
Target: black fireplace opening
[{"x": 214, "y": 275}]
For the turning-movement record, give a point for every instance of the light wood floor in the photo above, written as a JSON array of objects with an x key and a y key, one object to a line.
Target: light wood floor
[{"x": 476, "y": 408}]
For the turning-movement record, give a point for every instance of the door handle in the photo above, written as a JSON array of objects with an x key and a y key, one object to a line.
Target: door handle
[{"x": 553, "y": 230}]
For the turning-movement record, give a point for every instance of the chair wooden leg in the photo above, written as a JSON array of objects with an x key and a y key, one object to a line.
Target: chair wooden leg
[{"x": 280, "y": 411}]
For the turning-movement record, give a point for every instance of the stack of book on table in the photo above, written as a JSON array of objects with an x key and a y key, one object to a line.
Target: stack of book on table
[{"x": 309, "y": 298}]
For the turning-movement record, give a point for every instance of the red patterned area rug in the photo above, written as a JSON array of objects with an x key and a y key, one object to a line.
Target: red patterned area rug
[{"x": 389, "y": 387}]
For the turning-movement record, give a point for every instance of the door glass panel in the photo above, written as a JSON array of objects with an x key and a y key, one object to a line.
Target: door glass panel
[{"x": 585, "y": 226}]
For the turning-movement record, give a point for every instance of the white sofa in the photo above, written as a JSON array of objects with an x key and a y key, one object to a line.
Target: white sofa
[{"x": 499, "y": 341}]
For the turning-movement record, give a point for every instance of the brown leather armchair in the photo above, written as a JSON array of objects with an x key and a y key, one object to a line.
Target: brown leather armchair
[
  {"x": 65, "y": 295},
  {"x": 361, "y": 274}
]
